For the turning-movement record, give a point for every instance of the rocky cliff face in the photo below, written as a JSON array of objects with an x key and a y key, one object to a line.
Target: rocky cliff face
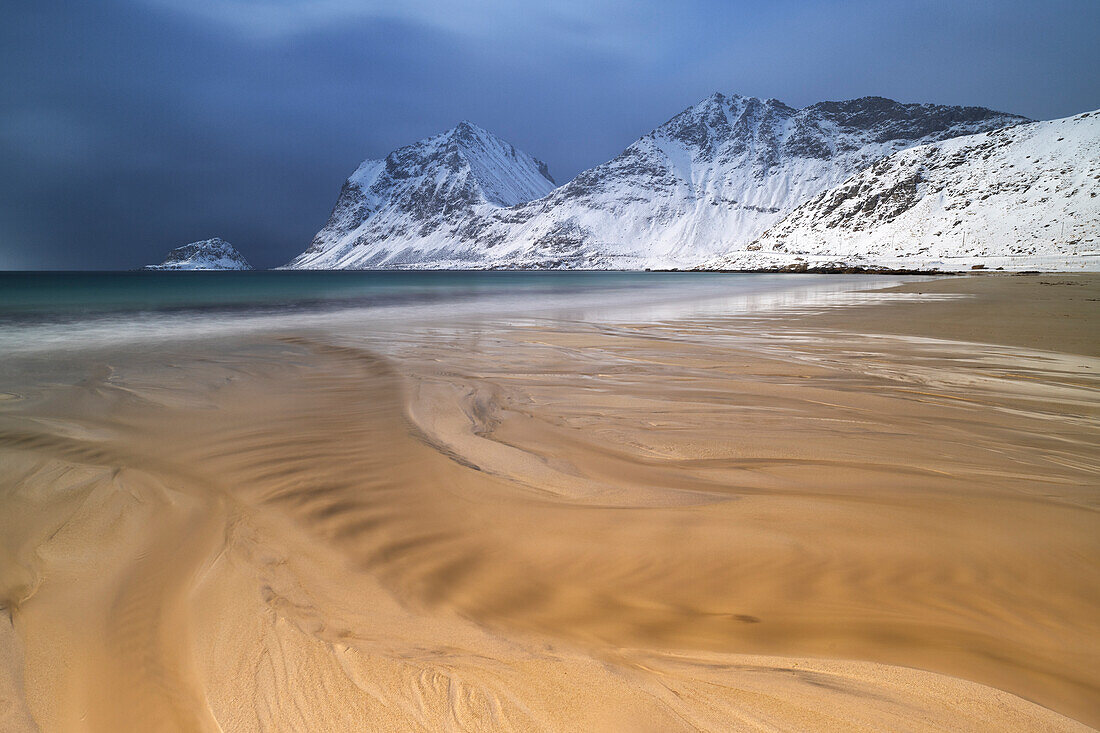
[
  {"x": 1022, "y": 197},
  {"x": 209, "y": 254},
  {"x": 711, "y": 179}
]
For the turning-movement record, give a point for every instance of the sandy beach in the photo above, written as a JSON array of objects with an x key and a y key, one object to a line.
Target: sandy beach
[{"x": 881, "y": 516}]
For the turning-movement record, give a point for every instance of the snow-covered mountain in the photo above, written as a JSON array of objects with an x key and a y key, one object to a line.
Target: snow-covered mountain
[
  {"x": 712, "y": 178},
  {"x": 718, "y": 174},
  {"x": 1024, "y": 197},
  {"x": 209, "y": 254},
  {"x": 426, "y": 203}
]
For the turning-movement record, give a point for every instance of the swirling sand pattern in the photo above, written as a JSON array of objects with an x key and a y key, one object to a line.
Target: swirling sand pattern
[{"x": 711, "y": 525}]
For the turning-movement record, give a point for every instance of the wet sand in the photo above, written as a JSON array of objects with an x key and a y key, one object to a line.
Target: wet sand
[
  {"x": 1051, "y": 312},
  {"x": 856, "y": 519}
]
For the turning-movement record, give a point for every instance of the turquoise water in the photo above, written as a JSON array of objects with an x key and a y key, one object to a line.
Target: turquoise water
[
  {"x": 43, "y": 311},
  {"x": 68, "y": 293}
]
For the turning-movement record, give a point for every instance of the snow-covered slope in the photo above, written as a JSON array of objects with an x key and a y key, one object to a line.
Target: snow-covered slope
[
  {"x": 426, "y": 202},
  {"x": 714, "y": 176},
  {"x": 209, "y": 254},
  {"x": 1024, "y": 197},
  {"x": 719, "y": 173}
]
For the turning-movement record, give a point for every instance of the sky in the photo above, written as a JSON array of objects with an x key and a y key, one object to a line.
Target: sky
[{"x": 128, "y": 127}]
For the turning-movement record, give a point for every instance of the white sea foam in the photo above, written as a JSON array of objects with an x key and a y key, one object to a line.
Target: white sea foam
[{"x": 655, "y": 298}]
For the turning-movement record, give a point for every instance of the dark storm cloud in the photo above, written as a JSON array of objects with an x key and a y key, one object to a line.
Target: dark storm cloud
[{"x": 128, "y": 127}]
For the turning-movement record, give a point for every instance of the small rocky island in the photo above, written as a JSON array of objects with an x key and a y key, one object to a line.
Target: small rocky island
[{"x": 209, "y": 254}]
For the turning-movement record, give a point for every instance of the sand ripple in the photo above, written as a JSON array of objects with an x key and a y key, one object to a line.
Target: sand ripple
[{"x": 567, "y": 527}]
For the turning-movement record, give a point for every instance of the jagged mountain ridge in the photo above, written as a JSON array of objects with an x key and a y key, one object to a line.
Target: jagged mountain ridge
[
  {"x": 434, "y": 195},
  {"x": 719, "y": 173},
  {"x": 1026, "y": 196},
  {"x": 713, "y": 177},
  {"x": 206, "y": 254}
]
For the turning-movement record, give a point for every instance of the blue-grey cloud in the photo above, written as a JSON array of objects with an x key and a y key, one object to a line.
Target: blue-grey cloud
[
  {"x": 561, "y": 21},
  {"x": 128, "y": 127}
]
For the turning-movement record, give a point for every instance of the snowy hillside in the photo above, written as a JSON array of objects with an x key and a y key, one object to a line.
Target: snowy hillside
[
  {"x": 425, "y": 202},
  {"x": 719, "y": 172},
  {"x": 209, "y": 254},
  {"x": 1025, "y": 197},
  {"x": 715, "y": 175}
]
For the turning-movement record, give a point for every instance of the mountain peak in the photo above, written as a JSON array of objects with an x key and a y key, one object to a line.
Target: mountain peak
[
  {"x": 502, "y": 171},
  {"x": 206, "y": 254},
  {"x": 719, "y": 100},
  {"x": 432, "y": 194},
  {"x": 468, "y": 136},
  {"x": 467, "y": 129}
]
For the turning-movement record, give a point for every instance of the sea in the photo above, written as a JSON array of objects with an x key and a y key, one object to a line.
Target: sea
[{"x": 61, "y": 311}]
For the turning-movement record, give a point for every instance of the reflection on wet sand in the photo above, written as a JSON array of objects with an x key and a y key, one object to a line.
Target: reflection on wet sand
[{"x": 702, "y": 524}]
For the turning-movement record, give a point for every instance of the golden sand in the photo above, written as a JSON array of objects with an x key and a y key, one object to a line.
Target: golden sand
[{"x": 825, "y": 522}]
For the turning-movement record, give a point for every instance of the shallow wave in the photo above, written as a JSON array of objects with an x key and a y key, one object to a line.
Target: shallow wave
[{"x": 98, "y": 319}]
